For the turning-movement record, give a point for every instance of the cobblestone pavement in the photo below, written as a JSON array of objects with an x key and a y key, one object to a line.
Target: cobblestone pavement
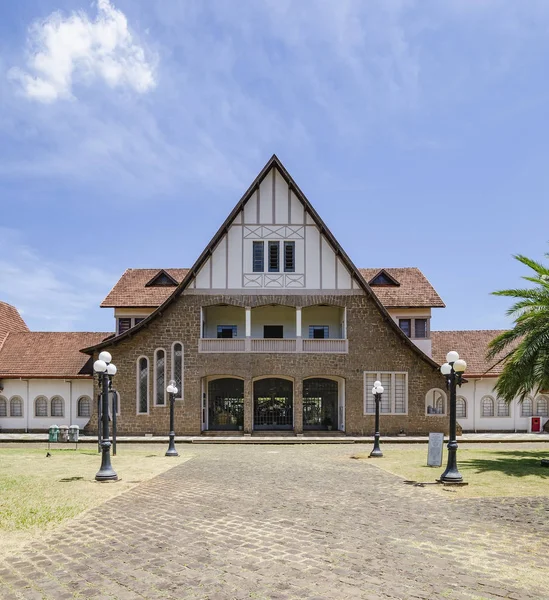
[{"x": 288, "y": 522}]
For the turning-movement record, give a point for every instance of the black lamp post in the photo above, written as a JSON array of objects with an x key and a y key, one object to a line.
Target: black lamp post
[
  {"x": 105, "y": 370},
  {"x": 453, "y": 370},
  {"x": 377, "y": 390},
  {"x": 172, "y": 391}
]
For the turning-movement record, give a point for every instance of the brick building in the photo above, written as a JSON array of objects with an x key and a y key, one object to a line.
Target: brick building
[{"x": 273, "y": 328}]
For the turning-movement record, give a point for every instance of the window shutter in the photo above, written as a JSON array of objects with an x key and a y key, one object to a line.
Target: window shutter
[
  {"x": 124, "y": 324},
  {"x": 420, "y": 327},
  {"x": 289, "y": 257},
  {"x": 258, "y": 262},
  {"x": 400, "y": 393},
  {"x": 274, "y": 251}
]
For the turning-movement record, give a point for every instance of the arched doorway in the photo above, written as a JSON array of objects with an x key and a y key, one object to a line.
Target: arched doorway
[
  {"x": 273, "y": 403},
  {"x": 320, "y": 403},
  {"x": 226, "y": 404}
]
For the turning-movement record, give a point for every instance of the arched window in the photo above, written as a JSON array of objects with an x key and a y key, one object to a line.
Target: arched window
[
  {"x": 177, "y": 367},
  {"x": 542, "y": 409},
  {"x": 84, "y": 406},
  {"x": 527, "y": 408},
  {"x": 503, "y": 408},
  {"x": 143, "y": 385},
  {"x": 160, "y": 377},
  {"x": 461, "y": 407},
  {"x": 435, "y": 402},
  {"x": 16, "y": 406},
  {"x": 3, "y": 406},
  {"x": 57, "y": 406},
  {"x": 41, "y": 406},
  {"x": 487, "y": 406}
]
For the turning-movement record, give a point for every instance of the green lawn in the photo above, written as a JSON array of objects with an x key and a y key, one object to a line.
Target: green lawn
[
  {"x": 39, "y": 492},
  {"x": 490, "y": 471}
]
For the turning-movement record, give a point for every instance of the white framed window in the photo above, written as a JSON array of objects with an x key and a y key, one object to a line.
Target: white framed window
[
  {"x": 125, "y": 323},
  {"x": 527, "y": 407},
  {"x": 84, "y": 406},
  {"x": 142, "y": 385},
  {"x": 461, "y": 407},
  {"x": 436, "y": 402},
  {"x": 3, "y": 406},
  {"x": 542, "y": 406},
  {"x": 57, "y": 407},
  {"x": 177, "y": 367},
  {"x": 160, "y": 377},
  {"x": 41, "y": 406},
  {"x": 503, "y": 408},
  {"x": 487, "y": 406},
  {"x": 415, "y": 328},
  {"x": 394, "y": 399},
  {"x": 16, "y": 406}
]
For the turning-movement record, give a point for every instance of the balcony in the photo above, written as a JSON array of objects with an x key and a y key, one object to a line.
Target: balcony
[{"x": 273, "y": 329}]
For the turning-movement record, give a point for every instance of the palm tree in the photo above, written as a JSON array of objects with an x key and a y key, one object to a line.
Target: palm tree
[{"x": 524, "y": 350}]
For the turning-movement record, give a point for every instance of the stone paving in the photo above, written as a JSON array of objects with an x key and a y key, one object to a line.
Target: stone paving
[{"x": 288, "y": 522}]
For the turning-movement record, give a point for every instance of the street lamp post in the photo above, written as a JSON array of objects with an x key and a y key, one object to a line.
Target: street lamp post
[
  {"x": 105, "y": 370},
  {"x": 377, "y": 390},
  {"x": 172, "y": 391},
  {"x": 453, "y": 370}
]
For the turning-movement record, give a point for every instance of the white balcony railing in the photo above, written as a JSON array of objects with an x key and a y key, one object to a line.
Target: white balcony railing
[
  {"x": 329, "y": 346},
  {"x": 222, "y": 345},
  {"x": 275, "y": 345}
]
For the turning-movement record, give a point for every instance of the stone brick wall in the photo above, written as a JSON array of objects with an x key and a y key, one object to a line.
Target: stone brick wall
[{"x": 374, "y": 345}]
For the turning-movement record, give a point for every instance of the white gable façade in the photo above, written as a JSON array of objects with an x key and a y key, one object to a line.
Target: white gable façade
[{"x": 293, "y": 254}]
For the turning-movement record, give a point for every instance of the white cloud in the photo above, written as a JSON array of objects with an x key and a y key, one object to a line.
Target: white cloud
[
  {"x": 65, "y": 50},
  {"x": 51, "y": 296}
]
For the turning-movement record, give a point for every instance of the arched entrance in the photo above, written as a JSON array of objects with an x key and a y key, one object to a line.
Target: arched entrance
[
  {"x": 273, "y": 403},
  {"x": 320, "y": 403},
  {"x": 226, "y": 404}
]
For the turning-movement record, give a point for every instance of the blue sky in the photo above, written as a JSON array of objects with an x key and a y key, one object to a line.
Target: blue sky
[{"x": 129, "y": 129}]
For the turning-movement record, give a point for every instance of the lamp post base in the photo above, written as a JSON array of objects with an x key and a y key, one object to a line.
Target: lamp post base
[
  {"x": 171, "y": 451},
  {"x": 106, "y": 472},
  {"x": 376, "y": 452}
]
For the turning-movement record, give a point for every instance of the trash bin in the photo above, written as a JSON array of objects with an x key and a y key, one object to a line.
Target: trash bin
[
  {"x": 73, "y": 433},
  {"x": 63, "y": 433},
  {"x": 53, "y": 433},
  {"x": 536, "y": 425}
]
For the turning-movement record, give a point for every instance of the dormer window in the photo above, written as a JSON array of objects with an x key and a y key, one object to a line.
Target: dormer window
[
  {"x": 384, "y": 279},
  {"x": 162, "y": 279}
]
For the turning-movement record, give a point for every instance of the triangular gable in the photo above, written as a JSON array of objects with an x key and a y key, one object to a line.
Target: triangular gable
[
  {"x": 312, "y": 217},
  {"x": 383, "y": 279},
  {"x": 162, "y": 278}
]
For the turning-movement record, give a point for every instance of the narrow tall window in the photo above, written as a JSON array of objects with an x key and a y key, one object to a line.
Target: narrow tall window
[
  {"x": 406, "y": 326},
  {"x": 57, "y": 406},
  {"x": 160, "y": 377},
  {"x": 527, "y": 408},
  {"x": 274, "y": 262},
  {"x": 3, "y": 407},
  {"x": 487, "y": 406},
  {"x": 177, "y": 368},
  {"x": 503, "y": 408},
  {"x": 258, "y": 259},
  {"x": 542, "y": 409},
  {"x": 41, "y": 407},
  {"x": 461, "y": 408},
  {"x": 289, "y": 257},
  {"x": 84, "y": 406},
  {"x": 420, "y": 328},
  {"x": 143, "y": 385},
  {"x": 16, "y": 407}
]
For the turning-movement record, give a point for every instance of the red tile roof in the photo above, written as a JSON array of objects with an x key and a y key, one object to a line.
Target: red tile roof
[
  {"x": 414, "y": 290},
  {"x": 471, "y": 346},
  {"x": 39, "y": 354},
  {"x": 10, "y": 320},
  {"x": 130, "y": 291}
]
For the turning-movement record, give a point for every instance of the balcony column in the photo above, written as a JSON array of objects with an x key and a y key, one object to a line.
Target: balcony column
[
  {"x": 299, "y": 342},
  {"x": 247, "y": 342},
  {"x": 248, "y": 406},
  {"x": 298, "y": 406}
]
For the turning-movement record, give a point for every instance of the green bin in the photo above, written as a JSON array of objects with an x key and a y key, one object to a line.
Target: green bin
[{"x": 53, "y": 433}]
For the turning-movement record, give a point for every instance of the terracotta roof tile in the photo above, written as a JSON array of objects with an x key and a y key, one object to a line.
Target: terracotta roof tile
[
  {"x": 130, "y": 291},
  {"x": 471, "y": 346},
  {"x": 10, "y": 321},
  {"x": 414, "y": 290},
  {"x": 47, "y": 354}
]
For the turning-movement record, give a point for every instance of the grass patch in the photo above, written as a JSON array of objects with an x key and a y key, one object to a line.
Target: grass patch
[
  {"x": 489, "y": 471},
  {"x": 39, "y": 492}
]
